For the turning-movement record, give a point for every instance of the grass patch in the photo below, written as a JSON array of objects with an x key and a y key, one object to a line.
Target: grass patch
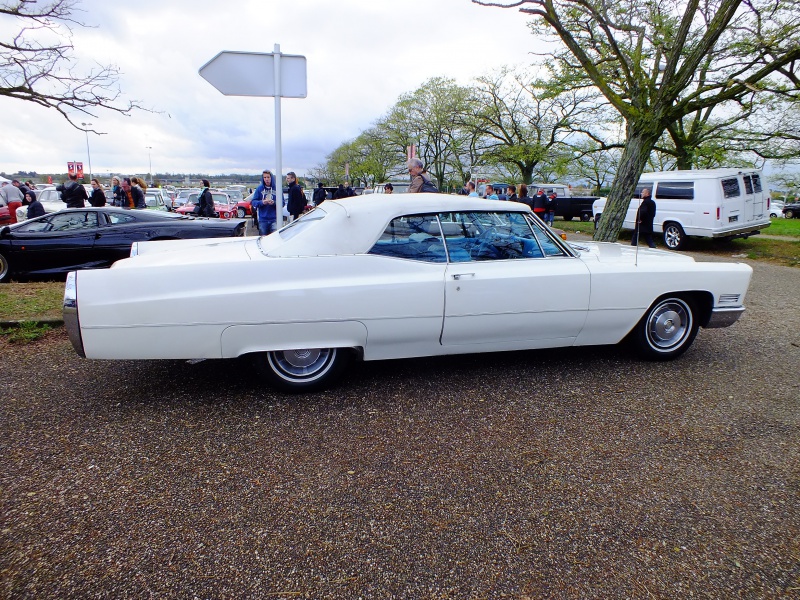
[
  {"x": 21, "y": 301},
  {"x": 575, "y": 226},
  {"x": 27, "y": 332},
  {"x": 790, "y": 227}
]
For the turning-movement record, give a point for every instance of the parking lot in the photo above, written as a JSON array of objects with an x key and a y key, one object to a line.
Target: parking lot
[{"x": 543, "y": 474}]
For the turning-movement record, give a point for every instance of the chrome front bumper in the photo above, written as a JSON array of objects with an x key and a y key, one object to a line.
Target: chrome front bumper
[{"x": 724, "y": 317}]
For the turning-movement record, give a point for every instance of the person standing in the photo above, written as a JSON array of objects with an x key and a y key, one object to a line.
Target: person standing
[
  {"x": 73, "y": 193},
  {"x": 539, "y": 204},
  {"x": 205, "y": 201},
  {"x": 471, "y": 193},
  {"x": 644, "y": 220},
  {"x": 388, "y": 189},
  {"x": 132, "y": 195},
  {"x": 550, "y": 209},
  {"x": 296, "y": 203},
  {"x": 35, "y": 208},
  {"x": 11, "y": 196},
  {"x": 23, "y": 188},
  {"x": 522, "y": 195},
  {"x": 420, "y": 182},
  {"x": 319, "y": 194},
  {"x": 340, "y": 192},
  {"x": 490, "y": 195},
  {"x": 98, "y": 197},
  {"x": 511, "y": 193},
  {"x": 116, "y": 191},
  {"x": 263, "y": 203}
]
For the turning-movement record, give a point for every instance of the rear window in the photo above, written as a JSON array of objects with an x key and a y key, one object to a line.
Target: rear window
[
  {"x": 730, "y": 187},
  {"x": 748, "y": 185},
  {"x": 756, "y": 183},
  {"x": 675, "y": 190}
]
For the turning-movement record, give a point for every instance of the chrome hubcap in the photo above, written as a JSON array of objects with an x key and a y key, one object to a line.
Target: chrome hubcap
[{"x": 669, "y": 325}]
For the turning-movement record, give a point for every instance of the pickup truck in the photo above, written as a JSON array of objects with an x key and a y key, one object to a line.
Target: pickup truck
[{"x": 567, "y": 205}]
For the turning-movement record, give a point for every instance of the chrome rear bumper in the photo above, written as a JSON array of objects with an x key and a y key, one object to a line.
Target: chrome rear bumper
[{"x": 724, "y": 317}]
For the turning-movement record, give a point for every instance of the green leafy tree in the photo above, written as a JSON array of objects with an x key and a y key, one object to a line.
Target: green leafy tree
[{"x": 647, "y": 59}]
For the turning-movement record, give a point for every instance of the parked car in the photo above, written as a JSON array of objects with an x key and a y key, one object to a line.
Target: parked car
[
  {"x": 183, "y": 196},
  {"x": 5, "y": 215},
  {"x": 155, "y": 200},
  {"x": 790, "y": 211},
  {"x": 383, "y": 277},
  {"x": 224, "y": 208},
  {"x": 243, "y": 208},
  {"x": 776, "y": 209},
  {"x": 91, "y": 238}
]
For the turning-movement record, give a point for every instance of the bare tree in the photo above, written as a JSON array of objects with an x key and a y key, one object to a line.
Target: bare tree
[
  {"x": 37, "y": 64},
  {"x": 646, "y": 59}
]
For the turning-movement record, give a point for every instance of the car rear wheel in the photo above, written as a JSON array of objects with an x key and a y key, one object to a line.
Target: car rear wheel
[
  {"x": 240, "y": 212},
  {"x": 789, "y": 214},
  {"x": 303, "y": 370},
  {"x": 5, "y": 269},
  {"x": 586, "y": 217},
  {"x": 667, "y": 329},
  {"x": 674, "y": 236}
]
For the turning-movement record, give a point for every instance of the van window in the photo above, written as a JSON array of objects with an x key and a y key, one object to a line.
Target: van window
[
  {"x": 756, "y": 183},
  {"x": 748, "y": 185},
  {"x": 675, "y": 190},
  {"x": 730, "y": 187},
  {"x": 640, "y": 187}
]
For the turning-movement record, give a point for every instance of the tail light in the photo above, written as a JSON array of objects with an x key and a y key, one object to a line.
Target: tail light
[{"x": 718, "y": 213}]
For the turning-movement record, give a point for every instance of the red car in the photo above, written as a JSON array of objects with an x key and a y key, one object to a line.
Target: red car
[
  {"x": 224, "y": 208},
  {"x": 5, "y": 215}
]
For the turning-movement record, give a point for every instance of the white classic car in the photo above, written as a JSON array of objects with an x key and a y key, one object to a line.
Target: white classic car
[{"x": 383, "y": 277}]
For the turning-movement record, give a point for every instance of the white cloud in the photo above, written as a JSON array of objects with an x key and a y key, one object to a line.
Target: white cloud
[{"x": 361, "y": 55}]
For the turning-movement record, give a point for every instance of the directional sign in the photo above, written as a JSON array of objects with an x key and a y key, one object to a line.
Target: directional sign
[{"x": 253, "y": 74}]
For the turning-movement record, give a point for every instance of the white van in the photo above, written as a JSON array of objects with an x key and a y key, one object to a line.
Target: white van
[{"x": 717, "y": 203}]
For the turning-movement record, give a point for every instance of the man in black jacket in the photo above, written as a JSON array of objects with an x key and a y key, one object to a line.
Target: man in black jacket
[
  {"x": 296, "y": 203},
  {"x": 319, "y": 194},
  {"x": 644, "y": 220},
  {"x": 73, "y": 193}
]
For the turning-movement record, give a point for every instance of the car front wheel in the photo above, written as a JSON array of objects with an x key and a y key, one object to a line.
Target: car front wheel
[
  {"x": 667, "y": 329},
  {"x": 674, "y": 236},
  {"x": 240, "y": 213},
  {"x": 5, "y": 269},
  {"x": 304, "y": 370},
  {"x": 789, "y": 214}
]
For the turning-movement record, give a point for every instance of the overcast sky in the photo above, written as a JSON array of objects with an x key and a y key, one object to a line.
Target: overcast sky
[{"x": 361, "y": 56}]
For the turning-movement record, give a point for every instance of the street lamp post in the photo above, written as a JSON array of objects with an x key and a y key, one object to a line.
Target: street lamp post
[
  {"x": 88, "y": 154},
  {"x": 150, "y": 165}
]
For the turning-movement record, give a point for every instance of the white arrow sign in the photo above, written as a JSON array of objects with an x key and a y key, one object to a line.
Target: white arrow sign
[
  {"x": 253, "y": 74},
  {"x": 261, "y": 74}
]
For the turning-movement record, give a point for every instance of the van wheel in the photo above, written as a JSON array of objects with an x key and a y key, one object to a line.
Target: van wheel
[
  {"x": 586, "y": 217},
  {"x": 667, "y": 329},
  {"x": 674, "y": 237},
  {"x": 789, "y": 214},
  {"x": 303, "y": 370}
]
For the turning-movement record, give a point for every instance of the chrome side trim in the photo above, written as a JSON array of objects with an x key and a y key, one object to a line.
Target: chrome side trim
[{"x": 724, "y": 317}]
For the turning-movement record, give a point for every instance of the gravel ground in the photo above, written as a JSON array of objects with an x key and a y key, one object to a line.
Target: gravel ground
[{"x": 546, "y": 474}]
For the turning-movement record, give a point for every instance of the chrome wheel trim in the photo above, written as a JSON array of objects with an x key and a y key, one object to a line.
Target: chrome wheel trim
[
  {"x": 240, "y": 213},
  {"x": 669, "y": 324},
  {"x": 672, "y": 237},
  {"x": 4, "y": 267},
  {"x": 303, "y": 365}
]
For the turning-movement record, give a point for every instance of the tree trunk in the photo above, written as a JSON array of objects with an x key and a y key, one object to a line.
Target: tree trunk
[{"x": 632, "y": 164}]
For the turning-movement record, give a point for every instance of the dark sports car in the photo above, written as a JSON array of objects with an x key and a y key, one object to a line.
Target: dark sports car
[{"x": 94, "y": 238}]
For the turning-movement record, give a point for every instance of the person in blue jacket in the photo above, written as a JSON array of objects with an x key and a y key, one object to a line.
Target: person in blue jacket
[{"x": 263, "y": 203}]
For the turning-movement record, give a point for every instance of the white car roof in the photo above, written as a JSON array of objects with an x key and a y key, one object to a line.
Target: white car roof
[{"x": 351, "y": 225}]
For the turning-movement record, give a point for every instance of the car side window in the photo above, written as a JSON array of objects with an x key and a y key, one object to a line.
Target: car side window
[
  {"x": 485, "y": 236},
  {"x": 549, "y": 246},
  {"x": 413, "y": 237},
  {"x": 37, "y": 226},
  {"x": 117, "y": 218},
  {"x": 73, "y": 221}
]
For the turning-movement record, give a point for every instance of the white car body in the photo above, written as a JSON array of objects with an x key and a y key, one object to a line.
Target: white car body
[
  {"x": 715, "y": 203},
  {"x": 326, "y": 282}
]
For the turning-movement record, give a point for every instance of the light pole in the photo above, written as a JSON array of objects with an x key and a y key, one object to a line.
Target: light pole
[
  {"x": 88, "y": 154},
  {"x": 150, "y": 165}
]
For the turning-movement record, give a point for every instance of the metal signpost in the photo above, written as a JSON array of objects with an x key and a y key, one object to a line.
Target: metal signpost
[{"x": 260, "y": 74}]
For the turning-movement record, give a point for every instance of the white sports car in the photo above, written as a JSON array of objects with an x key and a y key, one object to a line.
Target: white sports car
[{"x": 382, "y": 277}]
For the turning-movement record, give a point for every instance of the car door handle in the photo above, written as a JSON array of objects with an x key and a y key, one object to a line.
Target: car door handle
[{"x": 458, "y": 276}]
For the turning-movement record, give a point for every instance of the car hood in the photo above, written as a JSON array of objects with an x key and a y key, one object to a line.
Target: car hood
[
  {"x": 607, "y": 252},
  {"x": 188, "y": 252}
]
